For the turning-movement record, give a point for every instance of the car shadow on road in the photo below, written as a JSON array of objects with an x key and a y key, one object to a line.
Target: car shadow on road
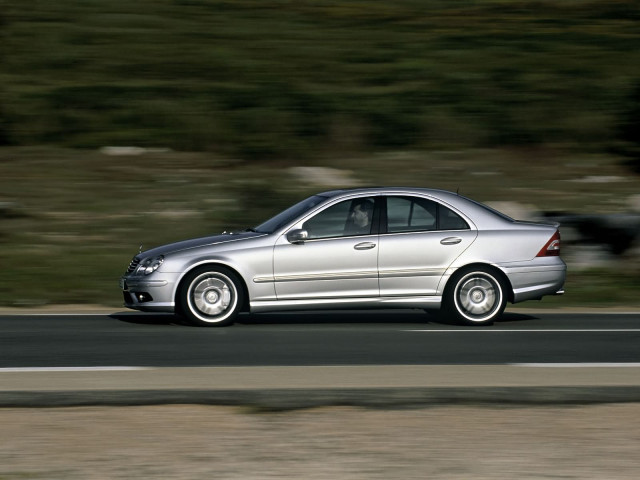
[
  {"x": 140, "y": 318},
  {"x": 334, "y": 317},
  {"x": 418, "y": 317},
  {"x": 511, "y": 317},
  {"x": 338, "y": 317}
]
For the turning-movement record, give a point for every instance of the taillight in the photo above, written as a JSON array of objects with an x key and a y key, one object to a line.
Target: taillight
[{"x": 552, "y": 247}]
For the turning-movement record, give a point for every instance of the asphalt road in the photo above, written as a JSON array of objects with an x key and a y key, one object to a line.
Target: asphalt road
[{"x": 314, "y": 339}]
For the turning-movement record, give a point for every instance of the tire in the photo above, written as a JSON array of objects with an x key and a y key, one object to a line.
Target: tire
[
  {"x": 210, "y": 297},
  {"x": 475, "y": 297}
]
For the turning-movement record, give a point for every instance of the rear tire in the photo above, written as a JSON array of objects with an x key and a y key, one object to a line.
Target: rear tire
[
  {"x": 210, "y": 297},
  {"x": 474, "y": 296}
]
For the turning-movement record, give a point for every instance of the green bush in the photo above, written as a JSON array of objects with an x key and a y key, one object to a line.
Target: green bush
[{"x": 289, "y": 79}]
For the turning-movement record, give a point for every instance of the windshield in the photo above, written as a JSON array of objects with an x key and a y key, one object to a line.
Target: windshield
[{"x": 290, "y": 214}]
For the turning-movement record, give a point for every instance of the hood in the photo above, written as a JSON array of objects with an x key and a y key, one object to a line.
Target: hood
[{"x": 198, "y": 242}]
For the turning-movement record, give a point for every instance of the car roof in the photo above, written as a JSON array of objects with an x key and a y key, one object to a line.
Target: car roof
[{"x": 380, "y": 190}]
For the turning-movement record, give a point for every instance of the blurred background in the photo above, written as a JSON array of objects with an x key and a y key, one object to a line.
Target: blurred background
[{"x": 126, "y": 123}]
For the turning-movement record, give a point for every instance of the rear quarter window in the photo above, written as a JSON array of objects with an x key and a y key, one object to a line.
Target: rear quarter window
[{"x": 450, "y": 220}]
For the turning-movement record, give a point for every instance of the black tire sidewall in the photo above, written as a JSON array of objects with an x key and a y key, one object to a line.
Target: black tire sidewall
[
  {"x": 182, "y": 302},
  {"x": 450, "y": 307}
]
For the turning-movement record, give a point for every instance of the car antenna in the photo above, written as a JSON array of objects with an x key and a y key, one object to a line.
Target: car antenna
[{"x": 458, "y": 191}]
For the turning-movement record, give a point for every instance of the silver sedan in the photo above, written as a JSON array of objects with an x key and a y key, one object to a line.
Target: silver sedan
[{"x": 359, "y": 248}]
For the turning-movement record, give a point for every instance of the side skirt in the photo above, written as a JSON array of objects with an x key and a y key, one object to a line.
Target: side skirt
[{"x": 427, "y": 302}]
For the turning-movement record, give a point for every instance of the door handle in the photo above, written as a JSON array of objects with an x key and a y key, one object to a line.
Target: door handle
[
  {"x": 365, "y": 246},
  {"x": 450, "y": 241}
]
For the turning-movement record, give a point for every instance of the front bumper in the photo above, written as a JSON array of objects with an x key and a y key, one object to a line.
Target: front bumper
[{"x": 148, "y": 295}]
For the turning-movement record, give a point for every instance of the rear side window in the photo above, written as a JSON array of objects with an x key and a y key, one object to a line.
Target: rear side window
[
  {"x": 407, "y": 215},
  {"x": 410, "y": 214}
]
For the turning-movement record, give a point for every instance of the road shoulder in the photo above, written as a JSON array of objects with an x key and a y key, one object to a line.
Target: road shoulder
[{"x": 305, "y": 387}]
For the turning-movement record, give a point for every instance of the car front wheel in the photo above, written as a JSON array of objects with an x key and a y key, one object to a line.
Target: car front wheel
[
  {"x": 476, "y": 297},
  {"x": 210, "y": 297}
]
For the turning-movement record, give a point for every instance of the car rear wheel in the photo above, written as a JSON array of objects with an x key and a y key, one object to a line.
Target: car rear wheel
[
  {"x": 210, "y": 297},
  {"x": 475, "y": 297}
]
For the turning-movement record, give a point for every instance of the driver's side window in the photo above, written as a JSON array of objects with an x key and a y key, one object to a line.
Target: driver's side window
[{"x": 351, "y": 217}]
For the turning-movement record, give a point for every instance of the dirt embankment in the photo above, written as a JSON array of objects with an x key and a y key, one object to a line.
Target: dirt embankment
[{"x": 195, "y": 442}]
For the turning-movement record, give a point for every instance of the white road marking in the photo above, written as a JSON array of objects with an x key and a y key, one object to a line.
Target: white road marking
[
  {"x": 70, "y": 369},
  {"x": 106, "y": 314},
  {"x": 578, "y": 365},
  {"x": 548, "y": 330}
]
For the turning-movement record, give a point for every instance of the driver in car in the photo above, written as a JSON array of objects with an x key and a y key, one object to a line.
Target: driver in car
[{"x": 360, "y": 218}]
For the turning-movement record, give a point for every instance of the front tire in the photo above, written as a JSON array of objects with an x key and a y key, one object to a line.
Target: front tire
[
  {"x": 476, "y": 297},
  {"x": 210, "y": 297}
]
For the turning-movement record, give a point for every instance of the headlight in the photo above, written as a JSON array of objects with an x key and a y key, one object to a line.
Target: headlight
[{"x": 149, "y": 265}]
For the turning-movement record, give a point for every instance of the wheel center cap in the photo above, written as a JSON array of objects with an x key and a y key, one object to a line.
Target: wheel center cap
[
  {"x": 477, "y": 296},
  {"x": 212, "y": 296}
]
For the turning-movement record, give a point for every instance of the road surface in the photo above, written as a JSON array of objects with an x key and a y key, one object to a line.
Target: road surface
[
  {"x": 311, "y": 339},
  {"x": 174, "y": 385}
]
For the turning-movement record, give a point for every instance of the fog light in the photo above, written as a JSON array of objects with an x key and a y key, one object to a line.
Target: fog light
[{"x": 143, "y": 297}]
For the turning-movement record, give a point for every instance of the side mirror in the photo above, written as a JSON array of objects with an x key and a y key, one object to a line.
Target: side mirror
[{"x": 297, "y": 236}]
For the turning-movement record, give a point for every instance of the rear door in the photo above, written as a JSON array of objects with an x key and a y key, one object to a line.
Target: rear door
[{"x": 419, "y": 239}]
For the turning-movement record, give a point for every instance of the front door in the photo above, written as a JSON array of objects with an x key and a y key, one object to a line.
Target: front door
[{"x": 338, "y": 260}]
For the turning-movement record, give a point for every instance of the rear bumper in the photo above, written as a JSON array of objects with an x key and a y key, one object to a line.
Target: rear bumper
[{"x": 537, "y": 278}]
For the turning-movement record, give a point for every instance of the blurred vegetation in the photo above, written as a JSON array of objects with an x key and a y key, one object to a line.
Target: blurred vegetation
[
  {"x": 289, "y": 79},
  {"x": 70, "y": 220},
  {"x": 629, "y": 145},
  {"x": 506, "y": 100}
]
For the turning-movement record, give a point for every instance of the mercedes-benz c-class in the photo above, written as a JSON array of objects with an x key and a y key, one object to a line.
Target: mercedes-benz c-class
[{"x": 359, "y": 248}]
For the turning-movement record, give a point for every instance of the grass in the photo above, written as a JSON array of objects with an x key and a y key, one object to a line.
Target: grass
[
  {"x": 290, "y": 79},
  {"x": 72, "y": 219}
]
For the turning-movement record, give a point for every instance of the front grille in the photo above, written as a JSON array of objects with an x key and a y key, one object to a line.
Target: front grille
[{"x": 133, "y": 265}]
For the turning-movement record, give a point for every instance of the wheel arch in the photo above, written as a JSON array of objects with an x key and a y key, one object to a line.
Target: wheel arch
[
  {"x": 213, "y": 264},
  {"x": 499, "y": 273}
]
